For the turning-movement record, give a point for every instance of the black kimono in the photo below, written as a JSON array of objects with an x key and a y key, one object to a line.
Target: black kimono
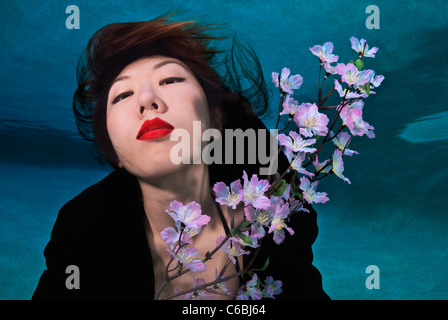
[{"x": 101, "y": 231}]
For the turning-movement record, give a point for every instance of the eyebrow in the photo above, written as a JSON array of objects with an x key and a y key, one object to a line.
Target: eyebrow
[
  {"x": 155, "y": 67},
  {"x": 165, "y": 62}
]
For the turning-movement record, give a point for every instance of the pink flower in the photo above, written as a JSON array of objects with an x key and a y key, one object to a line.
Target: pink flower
[
  {"x": 278, "y": 225},
  {"x": 229, "y": 197},
  {"x": 170, "y": 236},
  {"x": 342, "y": 141},
  {"x": 319, "y": 166},
  {"x": 324, "y": 52},
  {"x": 188, "y": 216},
  {"x": 329, "y": 69},
  {"x": 310, "y": 121},
  {"x": 346, "y": 92},
  {"x": 338, "y": 165},
  {"x": 351, "y": 75},
  {"x": 287, "y": 83},
  {"x": 272, "y": 288},
  {"x": 232, "y": 247},
  {"x": 296, "y": 164},
  {"x": 358, "y": 46},
  {"x": 309, "y": 191},
  {"x": 248, "y": 239},
  {"x": 253, "y": 192},
  {"x": 221, "y": 285},
  {"x": 187, "y": 258},
  {"x": 250, "y": 290},
  {"x": 259, "y": 218},
  {"x": 375, "y": 81},
  {"x": 351, "y": 116},
  {"x": 289, "y": 106},
  {"x": 297, "y": 205},
  {"x": 294, "y": 143}
]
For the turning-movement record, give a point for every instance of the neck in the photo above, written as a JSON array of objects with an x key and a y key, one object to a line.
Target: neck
[{"x": 190, "y": 184}]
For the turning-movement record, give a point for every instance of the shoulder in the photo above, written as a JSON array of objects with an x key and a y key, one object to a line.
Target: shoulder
[
  {"x": 116, "y": 188},
  {"x": 116, "y": 185},
  {"x": 90, "y": 232},
  {"x": 100, "y": 205}
]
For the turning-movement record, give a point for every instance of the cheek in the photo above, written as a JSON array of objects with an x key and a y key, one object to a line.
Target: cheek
[
  {"x": 201, "y": 109},
  {"x": 186, "y": 106},
  {"x": 118, "y": 129},
  {"x": 112, "y": 127}
]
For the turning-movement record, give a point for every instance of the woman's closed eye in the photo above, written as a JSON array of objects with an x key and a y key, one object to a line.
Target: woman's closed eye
[
  {"x": 171, "y": 80},
  {"x": 163, "y": 82},
  {"x": 122, "y": 96}
]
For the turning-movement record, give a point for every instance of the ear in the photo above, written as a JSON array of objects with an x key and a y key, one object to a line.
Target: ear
[{"x": 120, "y": 165}]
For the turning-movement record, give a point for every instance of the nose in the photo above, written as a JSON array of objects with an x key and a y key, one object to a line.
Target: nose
[
  {"x": 154, "y": 106},
  {"x": 149, "y": 101}
]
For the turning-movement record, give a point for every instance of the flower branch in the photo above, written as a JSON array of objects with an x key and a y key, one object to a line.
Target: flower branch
[{"x": 268, "y": 206}]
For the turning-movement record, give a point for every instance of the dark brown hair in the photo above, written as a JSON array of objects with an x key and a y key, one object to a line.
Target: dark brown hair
[{"x": 241, "y": 89}]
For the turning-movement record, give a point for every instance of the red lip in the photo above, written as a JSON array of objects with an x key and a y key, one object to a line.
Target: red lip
[{"x": 154, "y": 129}]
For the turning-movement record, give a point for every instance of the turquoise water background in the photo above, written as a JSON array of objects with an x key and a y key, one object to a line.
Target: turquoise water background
[{"x": 393, "y": 215}]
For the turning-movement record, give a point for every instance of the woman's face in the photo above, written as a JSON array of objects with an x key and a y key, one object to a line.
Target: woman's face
[{"x": 148, "y": 94}]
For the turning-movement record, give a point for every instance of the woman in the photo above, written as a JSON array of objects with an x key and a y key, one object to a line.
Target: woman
[{"x": 137, "y": 83}]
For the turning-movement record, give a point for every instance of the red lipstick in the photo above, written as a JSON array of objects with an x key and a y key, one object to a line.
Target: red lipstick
[{"x": 154, "y": 129}]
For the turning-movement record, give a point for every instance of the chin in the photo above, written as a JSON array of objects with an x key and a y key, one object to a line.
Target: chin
[{"x": 154, "y": 170}]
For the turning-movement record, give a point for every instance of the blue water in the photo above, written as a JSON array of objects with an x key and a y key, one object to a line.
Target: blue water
[{"x": 393, "y": 215}]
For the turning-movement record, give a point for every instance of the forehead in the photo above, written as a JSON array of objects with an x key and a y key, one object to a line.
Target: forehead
[{"x": 151, "y": 64}]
